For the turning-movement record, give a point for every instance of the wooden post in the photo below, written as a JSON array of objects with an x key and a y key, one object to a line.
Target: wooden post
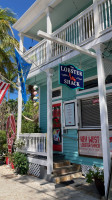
[
  {"x": 103, "y": 115},
  {"x": 49, "y": 102},
  {"x": 19, "y": 118}
]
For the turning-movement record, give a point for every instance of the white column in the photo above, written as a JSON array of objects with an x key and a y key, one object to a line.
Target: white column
[
  {"x": 103, "y": 114},
  {"x": 19, "y": 118},
  {"x": 49, "y": 101},
  {"x": 49, "y": 30},
  {"x": 96, "y": 18},
  {"x": 49, "y": 124}
]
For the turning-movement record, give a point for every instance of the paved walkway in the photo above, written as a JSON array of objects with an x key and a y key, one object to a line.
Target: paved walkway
[{"x": 16, "y": 187}]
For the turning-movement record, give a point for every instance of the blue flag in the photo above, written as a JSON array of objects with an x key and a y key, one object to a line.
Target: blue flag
[{"x": 23, "y": 70}]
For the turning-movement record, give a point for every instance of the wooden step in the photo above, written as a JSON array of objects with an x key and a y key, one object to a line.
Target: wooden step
[
  {"x": 68, "y": 177},
  {"x": 61, "y": 164},
  {"x": 66, "y": 169}
]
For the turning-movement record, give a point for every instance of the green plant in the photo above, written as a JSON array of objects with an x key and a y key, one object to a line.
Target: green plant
[
  {"x": 3, "y": 143},
  {"x": 95, "y": 174},
  {"x": 19, "y": 143},
  {"x": 20, "y": 163}
]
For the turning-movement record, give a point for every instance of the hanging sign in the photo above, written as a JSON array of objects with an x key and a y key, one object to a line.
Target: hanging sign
[{"x": 71, "y": 76}]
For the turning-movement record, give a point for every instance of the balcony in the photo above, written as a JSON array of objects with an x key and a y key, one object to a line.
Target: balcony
[{"x": 79, "y": 30}]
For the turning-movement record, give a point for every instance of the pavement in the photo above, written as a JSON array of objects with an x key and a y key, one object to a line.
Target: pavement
[{"x": 17, "y": 187}]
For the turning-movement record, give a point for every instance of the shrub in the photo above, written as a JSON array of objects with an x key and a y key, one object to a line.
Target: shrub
[
  {"x": 3, "y": 143},
  {"x": 20, "y": 163}
]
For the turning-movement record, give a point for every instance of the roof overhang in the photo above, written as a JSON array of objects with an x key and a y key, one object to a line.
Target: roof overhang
[{"x": 36, "y": 12}]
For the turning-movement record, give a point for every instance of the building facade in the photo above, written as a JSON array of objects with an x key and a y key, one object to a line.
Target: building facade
[{"x": 77, "y": 122}]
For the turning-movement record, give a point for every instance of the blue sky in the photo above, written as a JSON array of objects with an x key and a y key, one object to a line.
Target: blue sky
[{"x": 19, "y": 7}]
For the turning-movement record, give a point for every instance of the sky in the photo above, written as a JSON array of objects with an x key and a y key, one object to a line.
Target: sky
[{"x": 19, "y": 7}]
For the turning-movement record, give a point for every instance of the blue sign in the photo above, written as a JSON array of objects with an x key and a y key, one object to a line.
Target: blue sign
[{"x": 71, "y": 76}]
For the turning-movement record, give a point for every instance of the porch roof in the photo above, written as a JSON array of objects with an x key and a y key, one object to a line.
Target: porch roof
[{"x": 62, "y": 11}]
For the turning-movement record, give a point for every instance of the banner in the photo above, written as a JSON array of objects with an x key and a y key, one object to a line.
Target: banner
[
  {"x": 11, "y": 132},
  {"x": 23, "y": 70},
  {"x": 71, "y": 76},
  {"x": 3, "y": 88}
]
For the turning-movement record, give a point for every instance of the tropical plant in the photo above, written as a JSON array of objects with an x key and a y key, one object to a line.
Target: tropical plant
[
  {"x": 30, "y": 117},
  {"x": 7, "y": 45},
  {"x": 20, "y": 163}
]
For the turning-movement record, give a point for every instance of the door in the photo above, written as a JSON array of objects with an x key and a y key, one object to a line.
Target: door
[{"x": 57, "y": 134}]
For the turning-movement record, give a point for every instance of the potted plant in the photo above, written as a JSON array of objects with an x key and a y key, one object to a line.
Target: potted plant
[{"x": 96, "y": 175}]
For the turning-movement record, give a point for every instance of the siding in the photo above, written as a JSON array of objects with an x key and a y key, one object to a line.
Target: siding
[{"x": 70, "y": 145}]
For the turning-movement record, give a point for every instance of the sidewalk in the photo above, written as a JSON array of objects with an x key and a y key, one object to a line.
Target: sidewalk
[{"x": 17, "y": 187}]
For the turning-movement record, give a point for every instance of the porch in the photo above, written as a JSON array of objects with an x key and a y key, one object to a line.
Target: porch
[{"x": 93, "y": 22}]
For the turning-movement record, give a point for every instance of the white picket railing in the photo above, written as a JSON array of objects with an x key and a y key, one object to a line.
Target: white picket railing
[
  {"x": 105, "y": 14},
  {"x": 35, "y": 143},
  {"x": 79, "y": 29}
]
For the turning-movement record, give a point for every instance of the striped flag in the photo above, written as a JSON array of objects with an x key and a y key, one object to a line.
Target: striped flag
[{"x": 3, "y": 88}]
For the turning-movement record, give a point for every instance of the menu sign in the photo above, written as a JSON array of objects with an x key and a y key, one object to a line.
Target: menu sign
[
  {"x": 90, "y": 143},
  {"x": 70, "y": 114}
]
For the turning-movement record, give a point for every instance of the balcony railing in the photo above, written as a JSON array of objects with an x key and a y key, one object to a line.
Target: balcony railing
[
  {"x": 35, "y": 143},
  {"x": 78, "y": 30}
]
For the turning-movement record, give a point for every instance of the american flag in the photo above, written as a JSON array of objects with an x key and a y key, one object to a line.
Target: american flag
[{"x": 3, "y": 88}]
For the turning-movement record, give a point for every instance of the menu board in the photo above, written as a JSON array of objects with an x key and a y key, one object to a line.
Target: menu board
[
  {"x": 70, "y": 114},
  {"x": 90, "y": 143}
]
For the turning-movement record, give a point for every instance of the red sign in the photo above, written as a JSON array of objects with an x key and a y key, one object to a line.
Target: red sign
[
  {"x": 95, "y": 101},
  {"x": 11, "y": 132},
  {"x": 56, "y": 115}
]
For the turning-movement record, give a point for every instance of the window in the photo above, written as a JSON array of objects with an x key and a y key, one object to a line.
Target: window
[
  {"x": 57, "y": 93},
  {"x": 90, "y": 112}
]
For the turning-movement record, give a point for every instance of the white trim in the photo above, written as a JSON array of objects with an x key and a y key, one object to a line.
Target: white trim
[
  {"x": 39, "y": 107},
  {"x": 56, "y": 102},
  {"x": 37, "y": 161},
  {"x": 93, "y": 94},
  {"x": 76, "y": 115},
  {"x": 54, "y": 89}
]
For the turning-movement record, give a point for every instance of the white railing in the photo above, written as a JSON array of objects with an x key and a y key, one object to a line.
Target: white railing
[
  {"x": 75, "y": 31},
  {"x": 35, "y": 143},
  {"x": 37, "y": 53},
  {"x": 105, "y": 14},
  {"x": 78, "y": 30}
]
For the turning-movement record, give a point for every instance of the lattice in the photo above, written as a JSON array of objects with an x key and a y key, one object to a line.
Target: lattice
[
  {"x": 34, "y": 169},
  {"x": 85, "y": 169}
]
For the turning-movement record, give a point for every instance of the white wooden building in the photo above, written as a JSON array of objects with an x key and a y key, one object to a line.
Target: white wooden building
[{"x": 79, "y": 33}]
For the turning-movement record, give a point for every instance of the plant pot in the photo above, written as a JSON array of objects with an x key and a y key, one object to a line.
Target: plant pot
[
  {"x": 100, "y": 186},
  {"x": 7, "y": 160},
  {"x": 12, "y": 165}
]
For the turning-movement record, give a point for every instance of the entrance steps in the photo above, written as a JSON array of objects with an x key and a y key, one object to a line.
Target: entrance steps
[{"x": 65, "y": 171}]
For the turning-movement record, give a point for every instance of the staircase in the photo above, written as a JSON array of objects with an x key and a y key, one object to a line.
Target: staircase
[{"x": 65, "y": 171}]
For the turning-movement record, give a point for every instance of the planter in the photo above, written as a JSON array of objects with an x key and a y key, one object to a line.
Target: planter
[
  {"x": 12, "y": 165},
  {"x": 7, "y": 160},
  {"x": 100, "y": 186}
]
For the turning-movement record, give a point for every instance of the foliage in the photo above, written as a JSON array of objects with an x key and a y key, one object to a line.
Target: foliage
[
  {"x": 30, "y": 110},
  {"x": 6, "y": 108},
  {"x": 94, "y": 174},
  {"x": 19, "y": 143},
  {"x": 3, "y": 143},
  {"x": 7, "y": 46},
  {"x": 20, "y": 163}
]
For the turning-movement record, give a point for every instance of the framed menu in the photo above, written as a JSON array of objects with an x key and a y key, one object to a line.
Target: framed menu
[{"x": 70, "y": 114}]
